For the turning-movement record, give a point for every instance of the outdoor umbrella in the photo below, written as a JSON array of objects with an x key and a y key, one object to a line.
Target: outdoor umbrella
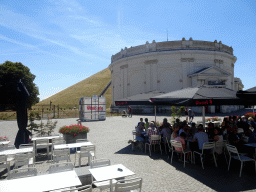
[
  {"x": 22, "y": 116},
  {"x": 199, "y": 96},
  {"x": 139, "y": 99},
  {"x": 249, "y": 95}
]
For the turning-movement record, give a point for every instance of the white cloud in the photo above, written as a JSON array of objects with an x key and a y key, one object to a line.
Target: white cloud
[{"x": 16, "y": 42}]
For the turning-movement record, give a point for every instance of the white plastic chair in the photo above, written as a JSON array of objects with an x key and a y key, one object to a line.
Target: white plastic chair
[
  {"x": 178, "y": 144},
  {"x": 221, "y": 144},
  {"x": 58, "y": 141},
  {"x": 153, "y": 138},
  {"x": 133, "y": 139},
  {"x": 169, "y": 146},
  {"x": 129, "y": 185},
  {"x": 31, "y": 154},
  {"x": 209, "y": 146},
  {"x": 85, "y": 188},
  {"x": 22, "y": 146},
  {"x": 22, "y": 159},
  {"x": 240, "y": 130},
  {"x": 166, "y": 143},
  {"x": 42, "y": 144},
  {"x": 134, "y": 135},
  {"x": 60, "y": 167},
  {"x": 22, "y": 172},
  {"x": 86, "y": 151},
  {"x": 4, "y": 163},
  {"x": 233, "y": 153},
  {"x": 101, "y": 163},
  {"x": 61, "y": 155}
]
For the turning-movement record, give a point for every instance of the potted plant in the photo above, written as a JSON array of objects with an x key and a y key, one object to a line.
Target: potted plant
[{"x": 73, "y": 132}]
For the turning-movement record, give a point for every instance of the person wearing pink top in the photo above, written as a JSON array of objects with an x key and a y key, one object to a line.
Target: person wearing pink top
[{"x": 181, "y": 139}]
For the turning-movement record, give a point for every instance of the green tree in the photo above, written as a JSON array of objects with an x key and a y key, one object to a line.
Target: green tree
[
  {"x": 177, "y": 112},
  {"x": 10, "y": 74}
]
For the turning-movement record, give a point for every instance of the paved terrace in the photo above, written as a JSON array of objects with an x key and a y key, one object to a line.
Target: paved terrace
[{"x": 111, "y": 137}]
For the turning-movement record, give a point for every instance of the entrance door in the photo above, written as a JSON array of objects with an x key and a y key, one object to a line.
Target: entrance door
[{"x": 217, "y": 108}]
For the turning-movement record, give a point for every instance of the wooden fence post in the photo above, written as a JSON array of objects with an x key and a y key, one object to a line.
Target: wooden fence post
[
  {"x": 42, "y": 112},
  {"x": 58, "y": 111},
  {"x": 53, "y": 111}
]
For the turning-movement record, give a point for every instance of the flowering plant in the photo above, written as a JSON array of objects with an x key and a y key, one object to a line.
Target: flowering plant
[
  {"x": 213, "y": 119},
  {"x": 158, "y": 124},
  {"x": 250, "y": 114},
  {"x": 74, "y": 129},
  {"x": 4, "y": 138}
]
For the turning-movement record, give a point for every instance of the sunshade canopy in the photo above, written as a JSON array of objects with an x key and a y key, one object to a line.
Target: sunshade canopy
[
  {"x": 199, "y": 96},
  {"x": 249, "y": 94},
  {"x": 140, "y": 99}
]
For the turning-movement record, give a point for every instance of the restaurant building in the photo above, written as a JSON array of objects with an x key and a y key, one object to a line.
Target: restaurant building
[{"x": 174, "y": 65}]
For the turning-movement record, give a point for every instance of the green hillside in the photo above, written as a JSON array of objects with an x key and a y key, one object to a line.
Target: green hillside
[{"x": 92, "y": 85}]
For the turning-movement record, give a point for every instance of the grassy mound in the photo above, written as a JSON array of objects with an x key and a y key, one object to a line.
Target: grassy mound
[{"x": 92, "y": 85}]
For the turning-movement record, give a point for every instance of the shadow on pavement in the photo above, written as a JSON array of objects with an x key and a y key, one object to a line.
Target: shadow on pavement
[
  {"x": 219, "y": 178},
  {"x": 216, "y": 178}
]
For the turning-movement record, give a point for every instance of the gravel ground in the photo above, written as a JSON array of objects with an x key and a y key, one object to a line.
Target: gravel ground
[{"x": 110, "y": 138}]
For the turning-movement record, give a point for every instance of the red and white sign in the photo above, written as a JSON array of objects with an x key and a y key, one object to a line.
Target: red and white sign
[{"x": 92, "y": 108}]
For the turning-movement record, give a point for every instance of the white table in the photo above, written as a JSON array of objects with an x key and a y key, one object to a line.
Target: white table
[
  {"x": 47, "y": 137},
  {"x": 72, "y": 145},
  {"x": 4, "y": 142},
  {"x": 214, "y": 122},
  {"x": 15, "y": 151},
  {"x": 110, "y": 172},
  {"x": 41, "y": 182}
]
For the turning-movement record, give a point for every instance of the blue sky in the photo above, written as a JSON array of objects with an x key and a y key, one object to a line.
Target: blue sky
[{"x": 65, "y": 41}]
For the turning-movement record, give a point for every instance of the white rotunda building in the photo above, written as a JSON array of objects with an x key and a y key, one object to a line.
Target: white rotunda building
[{"x": 172, "y": 65}]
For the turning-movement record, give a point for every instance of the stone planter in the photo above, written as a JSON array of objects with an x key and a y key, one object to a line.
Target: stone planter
[{"x": 72, "y": 139}]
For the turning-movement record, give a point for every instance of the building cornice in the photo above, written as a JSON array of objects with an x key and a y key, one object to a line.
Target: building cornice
[{"x": 189, "y": 45}]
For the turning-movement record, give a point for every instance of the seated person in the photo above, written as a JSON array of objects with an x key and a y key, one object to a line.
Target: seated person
[
  {"x": 152, "y": 131},
  {"x": 181, "y": 139},
  {"x": 165, "y": 124},
  {"x": 211, "y": 130},
  {"x": 139, "y": 135},
  {"x": 201, "y": 137},
  {"x": 235, "y": 140},
  {"x": 146, "y": 125},
  {"x": 175, "y": 132},
  {"x": 218, "y": 138},
  {"x": 252, "y": 136},
  {"x": 166, "y": 132},
  {"x": 245, "y": 126},
  {"x": 124, "y": 114},
  {"x": 141, "y": 122},
  {"x": 226, "y": 127},
  {"x": 251, "y": 123},
  {"x": 184, "y": 130},
  {"x": 178, "y": 122},
  {"x": 193, "y": 129}
]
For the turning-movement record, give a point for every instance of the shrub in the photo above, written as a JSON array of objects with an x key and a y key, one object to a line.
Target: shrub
[{"x": 74, "y": 129}]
